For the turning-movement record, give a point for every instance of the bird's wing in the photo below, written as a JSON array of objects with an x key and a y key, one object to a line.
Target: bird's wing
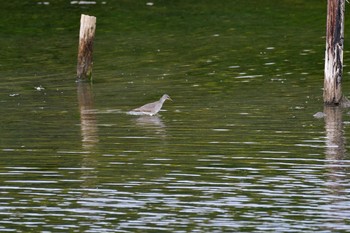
[{"x": 145, "y": 107}]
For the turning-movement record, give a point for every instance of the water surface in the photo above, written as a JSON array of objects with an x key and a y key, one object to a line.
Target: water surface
[{"x": 238, "y": 150}]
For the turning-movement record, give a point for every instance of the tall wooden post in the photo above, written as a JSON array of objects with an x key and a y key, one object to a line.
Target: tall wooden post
[
  {"x": 86, "y": 41},
  {"x": 333, "y": 70}
]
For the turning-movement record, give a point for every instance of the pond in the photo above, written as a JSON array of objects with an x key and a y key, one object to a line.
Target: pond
[{"x": 237, "y": 150}]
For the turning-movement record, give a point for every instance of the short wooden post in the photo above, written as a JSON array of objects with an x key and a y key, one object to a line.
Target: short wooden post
[
  {"x": 333, "y": 71},
  {"x": 86, "y": 41}
]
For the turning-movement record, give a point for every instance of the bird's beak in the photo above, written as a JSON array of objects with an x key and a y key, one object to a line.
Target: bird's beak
[{"x": 169, "y": 99}]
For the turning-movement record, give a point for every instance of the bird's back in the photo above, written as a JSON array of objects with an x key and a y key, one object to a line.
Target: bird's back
[{"x": 151, "y": 108}]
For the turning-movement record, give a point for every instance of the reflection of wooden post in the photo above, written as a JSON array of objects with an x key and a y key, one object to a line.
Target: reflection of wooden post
[
  {"x": 88, "y": 120},
  {"x": 333, "y": 70},
  {"x": 335, "y": 149},
  {"x": 86, "y": 41},
  {"x": 335, "y": 145}
]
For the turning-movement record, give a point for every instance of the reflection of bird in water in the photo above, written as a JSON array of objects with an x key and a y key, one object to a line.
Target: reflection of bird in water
[
  {"x": 149, "y": 121},
  {"x": 151, "y": 108},
  {"x": 152, "y": 124}
]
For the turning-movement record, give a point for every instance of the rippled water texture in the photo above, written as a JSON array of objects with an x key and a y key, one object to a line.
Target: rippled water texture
[{"x": 237, "y": 150}]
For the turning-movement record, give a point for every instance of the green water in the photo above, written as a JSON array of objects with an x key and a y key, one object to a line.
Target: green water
[{"x": 238, "y": 150}]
